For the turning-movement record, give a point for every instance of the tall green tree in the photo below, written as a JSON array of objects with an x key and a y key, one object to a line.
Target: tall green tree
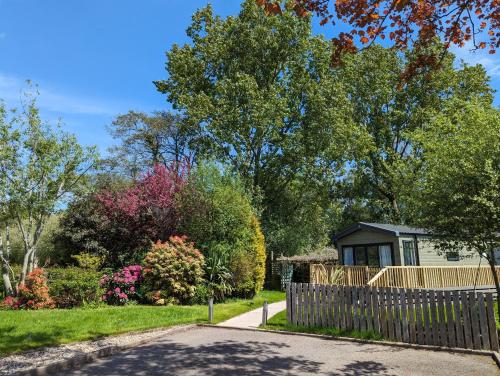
[
  {"x": 41, "y": 165},
  {"x": 146, "y": 140},
  {"x": 388, "y": 110},
  {"x": 457, "y": 194},
  {"x": 261, "y": 95}
]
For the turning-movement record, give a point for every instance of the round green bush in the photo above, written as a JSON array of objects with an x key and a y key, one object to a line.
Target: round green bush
[
  {"x": 172, "y": 271},
  {"x": 74, "y": 287}
]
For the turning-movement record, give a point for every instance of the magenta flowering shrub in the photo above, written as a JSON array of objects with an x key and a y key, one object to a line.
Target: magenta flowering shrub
[{"x": 123, "y": 286}]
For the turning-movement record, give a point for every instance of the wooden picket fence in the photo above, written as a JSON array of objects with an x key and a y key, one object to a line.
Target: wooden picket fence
[{"x": 441, "y": 318}]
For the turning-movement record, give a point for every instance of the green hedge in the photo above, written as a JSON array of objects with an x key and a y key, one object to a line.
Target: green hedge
[
  {"x": 74, "y": 287},
  {"x": 217, "y": 214}
]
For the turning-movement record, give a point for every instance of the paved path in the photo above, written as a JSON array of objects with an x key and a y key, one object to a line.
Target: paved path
[
  {"x": 221, "y": 351},
  {"x": 253, "y": 318}
]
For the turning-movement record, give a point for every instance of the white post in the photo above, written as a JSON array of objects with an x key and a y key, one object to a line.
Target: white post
[
  {"x": 210, "y": 310},
  {"x": 265, "y": 309}
]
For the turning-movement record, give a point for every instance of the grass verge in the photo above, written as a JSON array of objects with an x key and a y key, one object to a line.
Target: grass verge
[
  {"x": 278, "y": 322},
  {"x": 23, "y": 330}
]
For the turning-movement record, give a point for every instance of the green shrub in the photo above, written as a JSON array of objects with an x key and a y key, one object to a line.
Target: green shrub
[
  {"x": 172, "y": 271},
  {"x": 74, "y": 287},
  {"x": 201, "y": 295},
  {"x": 87, "y": 260},
  {"x": 218, "y": 275},
  {"x": 249, "y": 267},
  {"x": 259, "y": 249},
  {"x": 219, "y": 218},
  {"x": 242, "y": 266}
]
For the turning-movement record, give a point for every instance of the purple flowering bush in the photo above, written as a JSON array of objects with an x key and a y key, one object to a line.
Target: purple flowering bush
[{"x": 123, "y": 286}]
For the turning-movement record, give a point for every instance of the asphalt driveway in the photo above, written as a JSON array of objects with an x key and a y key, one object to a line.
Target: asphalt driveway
[{"x": 220, "y": 351}]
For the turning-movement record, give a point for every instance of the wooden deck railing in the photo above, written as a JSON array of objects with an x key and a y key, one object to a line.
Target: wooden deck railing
[
  {"x": 431, "y": 277},
  {"x": 342, "y": 275}
]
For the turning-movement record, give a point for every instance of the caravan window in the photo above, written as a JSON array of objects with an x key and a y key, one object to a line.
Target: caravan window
[
  {"x": 348, "y": 256},
  {"x": 375, "y": 255},
  {"x": 409, "y": 252}
]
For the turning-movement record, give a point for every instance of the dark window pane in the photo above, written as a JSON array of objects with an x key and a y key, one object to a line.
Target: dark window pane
[
  {"x": 348, "y": 256},
  {"x": 360, "y": 255},
  {"x": 373, "y": 259},
  {"x": 409, "y": 252}
]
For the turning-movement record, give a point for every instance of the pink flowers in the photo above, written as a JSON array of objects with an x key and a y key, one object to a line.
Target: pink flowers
[
  {"x": 148, "y": 207},
  {"x": 123, "y": 286}
]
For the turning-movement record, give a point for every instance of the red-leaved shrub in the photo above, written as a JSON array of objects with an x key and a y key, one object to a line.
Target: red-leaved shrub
[{"x": 33, "y": 294}]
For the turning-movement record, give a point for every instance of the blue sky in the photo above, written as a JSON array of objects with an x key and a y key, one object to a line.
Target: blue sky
[{"x": 95, "y": 59}]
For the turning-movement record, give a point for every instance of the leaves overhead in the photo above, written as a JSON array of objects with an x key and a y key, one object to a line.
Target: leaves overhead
[{"x": 404, "y": 23}]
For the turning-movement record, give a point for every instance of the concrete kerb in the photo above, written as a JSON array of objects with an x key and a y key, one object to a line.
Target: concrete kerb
[
  {"x": 495, "y": 355},
  {"x": 496, "y": 358},
  {"x": 82, "y": 359}
]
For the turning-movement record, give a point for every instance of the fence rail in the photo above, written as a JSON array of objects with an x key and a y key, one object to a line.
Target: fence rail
[
  {"x": 433, "y": 277},
  {"x": 342, "y": 275},
  {"x": 442, "y": 318}
]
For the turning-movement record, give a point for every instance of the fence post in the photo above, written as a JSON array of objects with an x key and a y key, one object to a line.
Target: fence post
[
  {"x": 210, "y": 310},
  {"x": 264, "y": 313},
  {"x": 288, "y": 303}
]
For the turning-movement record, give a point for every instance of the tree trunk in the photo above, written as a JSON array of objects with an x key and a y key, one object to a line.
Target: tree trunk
[
  {"x": 5, "y": 268},
  {"x": 491, "y": 262},
  {"x": 29, "y": 260},
  {"x": 26, "y": 265},
  {"x": 395, "y": 209}
]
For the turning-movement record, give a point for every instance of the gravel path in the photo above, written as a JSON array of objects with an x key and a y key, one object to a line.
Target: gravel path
[
  {"x": 253, "y": 319},
  {"x": 14, "y": 364},
  {"x": 221, "y": 351}
]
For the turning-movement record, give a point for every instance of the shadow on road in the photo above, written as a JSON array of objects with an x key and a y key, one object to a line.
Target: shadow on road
[
  {"x": 217, "y": 358},
  {"x": 362, "y": 368}
]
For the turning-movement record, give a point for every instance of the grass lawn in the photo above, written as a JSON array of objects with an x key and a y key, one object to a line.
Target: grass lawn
[
  {"x": 278, "y": 322},
  {"x": 22, "y": 330}
]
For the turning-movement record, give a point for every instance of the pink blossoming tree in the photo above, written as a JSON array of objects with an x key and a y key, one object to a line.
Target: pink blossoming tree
[{"x": 146, "y": 212}]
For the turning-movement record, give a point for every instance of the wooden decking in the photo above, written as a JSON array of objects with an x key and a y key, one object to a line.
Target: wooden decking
[
  {"x": 342, "y": 275},
  {"x": 433, "y": 277},
  {"x": 415, "y": 277}
]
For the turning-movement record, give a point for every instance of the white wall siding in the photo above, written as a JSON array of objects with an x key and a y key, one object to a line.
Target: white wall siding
[{"x": 429, "y": 256}]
